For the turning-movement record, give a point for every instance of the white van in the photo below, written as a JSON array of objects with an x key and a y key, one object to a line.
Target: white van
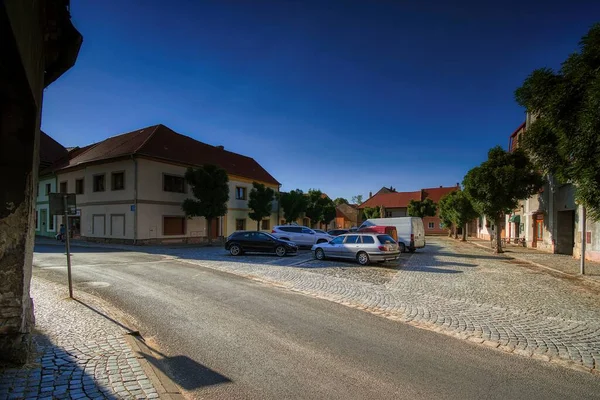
[{"x": 411, "y": 231}]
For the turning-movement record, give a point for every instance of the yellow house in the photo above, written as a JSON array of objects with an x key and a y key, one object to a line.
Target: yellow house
[{"x": 130, "y": 188}]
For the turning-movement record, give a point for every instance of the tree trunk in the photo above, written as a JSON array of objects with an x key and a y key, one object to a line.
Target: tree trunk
[
  {"x": 498, "y": 247},
  {"x": 455, "y": 232},
  {"x": 209, "y": 230},
  {"x": 257, "y": 226},
  {"x": 464, "y": 233}
]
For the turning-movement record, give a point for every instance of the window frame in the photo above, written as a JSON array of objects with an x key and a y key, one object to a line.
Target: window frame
[
  {"x": 48, "y": 188},
  {"x": 245, "y": 193},
  {"x": 236, "y": 224},
  {"x": 60, "y": 187},
  {"x": 112, "y": 180},
  {"x": 82, "y": 180},
  {"x": 165, "y": 175},
  {"x": 431, "y": 225},
  {"x": 94, "y": 177},
  {"x": 266, "y": 222}
]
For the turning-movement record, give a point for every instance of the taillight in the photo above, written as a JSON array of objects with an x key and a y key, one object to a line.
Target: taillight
[
  {"x": 273, "y": 231},
  {"x": 383, "y": 248}
]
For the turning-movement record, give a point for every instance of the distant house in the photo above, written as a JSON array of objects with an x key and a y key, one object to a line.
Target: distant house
[
  {"x": 395, "y": 204},
  {"x": 130, "y": 187},
  {"x": 346, "y": 216}
]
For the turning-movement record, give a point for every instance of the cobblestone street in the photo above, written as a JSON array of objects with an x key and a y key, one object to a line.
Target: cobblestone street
[{"x": 80, "y": 354}]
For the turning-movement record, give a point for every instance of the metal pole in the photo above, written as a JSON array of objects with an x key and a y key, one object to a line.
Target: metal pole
[
  {"x": 68, "y": 247},
  {"x": 583, "y": 239}
]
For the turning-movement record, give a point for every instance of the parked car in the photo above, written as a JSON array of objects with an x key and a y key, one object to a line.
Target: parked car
[
  {"x": 300, "y": 235},
  {"x": 362, "y": 247},
  {"x": 411, "y": 232},
  {"x": 337, "y": 232},
  {"x": 320, "y": 231},
  {"x": 260, "y": 242}
]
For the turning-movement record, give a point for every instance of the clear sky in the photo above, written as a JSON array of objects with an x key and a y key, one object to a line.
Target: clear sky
[{"x": 343, "y": 96}]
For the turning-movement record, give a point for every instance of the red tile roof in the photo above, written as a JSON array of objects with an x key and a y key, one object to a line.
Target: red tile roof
[
  {"x": 436, "y": 194},
  {"x": 391, "y": 200},
  {"x": 162, "y": 143},
  {"x": 50, "y": 151}
]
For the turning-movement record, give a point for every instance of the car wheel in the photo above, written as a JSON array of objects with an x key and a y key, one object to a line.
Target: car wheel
[
  {"x": 321, "y": 241},
  {"x": 235, "y": 250},
  {"x": 280, "y": 251},
  {"x": 402, "y": 247},
  {"x": 319, "y": 254},
  {"x": 362, "y": 258}
]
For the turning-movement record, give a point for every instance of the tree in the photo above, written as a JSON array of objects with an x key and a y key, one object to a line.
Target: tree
[
  {"x": 358, "y": 199},
  {"x": 496, "y": 186},
  {"x": 293, "y": 204},
  {"x": 340, "y": 200},
  {"x": 425, "y": 208},
  {"x": 445, "y": 213},
  {"x": 459, "y": 209},
  {"x": 314, "y": 207},
  {"x": 371, "y": 212},
  {"x": 210, "y": 187},
  {"x": 328, "y": 213},
  {"x": 564, "y": 140},
  {"x": 260, "y": 201}
]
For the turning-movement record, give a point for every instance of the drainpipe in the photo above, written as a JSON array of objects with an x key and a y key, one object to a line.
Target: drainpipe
[{"x": 135, "y": 198}]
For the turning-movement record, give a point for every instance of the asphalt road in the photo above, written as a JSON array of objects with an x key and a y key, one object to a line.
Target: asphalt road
[{"x": 227, "y": 337}]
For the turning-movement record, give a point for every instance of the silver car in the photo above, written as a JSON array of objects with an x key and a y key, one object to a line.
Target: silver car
[
  {"x": 362, "y": 247},
  {"x": 300, "y": 235}
]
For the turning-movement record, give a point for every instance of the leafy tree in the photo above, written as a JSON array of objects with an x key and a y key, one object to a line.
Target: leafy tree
[
  {"x": 260, "y": 201},
  {"x": 445, "y": 213},
  {"x": 314, "y": 207},
  {"x": 460, "y": 210},
  {"x": 564, "y": 140},
  {"x": 328, "y": 213},
  {"x": 358, "y": 199},
  {"x": 340, "y": 200},
  {"x": 371, "y": 212},
  {"x": 496, "y": 186},
  {"x": 293, "y": 204},
  {"x": 425, "y": 208},
  {"x": 210, "y": 187}
]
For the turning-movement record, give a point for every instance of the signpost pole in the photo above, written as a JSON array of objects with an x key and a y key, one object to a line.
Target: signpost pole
[
  {"x": 68, "y": 246},
  {"x": 583, "y": 241}
]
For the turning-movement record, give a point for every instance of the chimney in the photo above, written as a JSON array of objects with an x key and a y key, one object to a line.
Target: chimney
[
  {"x": 457, "y": 184},
  {"x": 370, "y": 194},
  {"x": 221, "y": 147},
  {"x": 441, "y": 186}
]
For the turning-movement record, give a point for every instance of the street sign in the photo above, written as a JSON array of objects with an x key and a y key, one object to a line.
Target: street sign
[{"x": 57, "y": 204}]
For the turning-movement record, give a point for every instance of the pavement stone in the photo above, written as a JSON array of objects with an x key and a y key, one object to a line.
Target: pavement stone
[{"x": 77, "y": 353}]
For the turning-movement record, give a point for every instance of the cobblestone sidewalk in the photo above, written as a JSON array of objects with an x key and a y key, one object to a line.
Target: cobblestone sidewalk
[
  {"x": 81, "y": 354},
  {"x": 462, "y": 291}
]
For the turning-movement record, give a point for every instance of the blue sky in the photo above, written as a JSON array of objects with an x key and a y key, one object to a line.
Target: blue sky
[{"x": 344, "y": 96}]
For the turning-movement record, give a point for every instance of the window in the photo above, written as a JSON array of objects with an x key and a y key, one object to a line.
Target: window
[
  {"x": 51, "y": 223},
  {"x": 63, "y": 187},
  {"x": 282, "y": 222},
  {"x": 173, "y": 226},
  {"x": 172, "y": 183},
  {"x": 352, "y": 239},
  {"x": 388, "y": 214},
  {"x": 99, "y": 183},
  {"x": 295, "y": 229},
  {"x": 78, "y": 186},
  {"x": 240, "y": 224},
  {"x": 240, "y": 193},
  {"x": 48, "y": 189},
  {"x": 308, "y": 231},
  {"x": 261, "y": 236},
  {"x": 385, "y": 239},
  {"x": 117, "y": 181},
  {"x": 431, "y": 225},
  {"x": 338, "y": 240},
  {"x": 368, "y": 239},
  {"x": 37, "y": 227},
  {"x": 265, "y": 224}
]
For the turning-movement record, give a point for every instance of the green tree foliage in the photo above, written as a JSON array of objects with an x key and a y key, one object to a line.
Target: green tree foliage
[
  {"x": 457, "y": 207},
  {"x": 293, "y": 204},
  {"x": 358, "y": 199},
  {"x": 210, "y": 187},
  {"x": 371, "y": 212},
  {"x": 564, "y": 140},
  {"x": 425, "y": 208},
  {"x": 314, "y": 207},
  {"x": 445, "y": 213},
  {"x": 340, "y": 200},
  {"x": 328, "y": 213},
  {"x": 260, "y": 201},
  {"x": 496, "y": 186}
]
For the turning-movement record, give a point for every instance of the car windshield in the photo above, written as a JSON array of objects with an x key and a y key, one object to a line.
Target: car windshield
[
  {"x": 269, "y": 235},
  {"x": 385, "y": 239}
]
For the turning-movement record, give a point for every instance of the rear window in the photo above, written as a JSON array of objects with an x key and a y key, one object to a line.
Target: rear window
[
  {"x": 352, "y": 239},
  {"x": 368, "y": 239},
  {"x": 290, "y": 229},
  {"x": 384, "y": 239}
]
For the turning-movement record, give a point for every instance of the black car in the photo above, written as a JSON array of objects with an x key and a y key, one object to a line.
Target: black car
[
  {"x": 337, "y": 232},
  {"x": 258, "y": 242}
]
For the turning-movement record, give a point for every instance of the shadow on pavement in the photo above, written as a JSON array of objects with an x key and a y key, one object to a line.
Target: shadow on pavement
[
  {"x": 185, "y": 372},
  {"x": 434, "y": 269}
]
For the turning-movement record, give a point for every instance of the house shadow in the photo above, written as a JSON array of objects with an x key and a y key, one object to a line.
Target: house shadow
[
  {"x": 180, "y": 369},
  {"x": 60, "y": 248}
]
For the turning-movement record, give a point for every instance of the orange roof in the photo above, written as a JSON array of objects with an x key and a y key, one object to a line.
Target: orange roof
[
  {"x": 391, "y": 200},
  {"x": 436, "y": 194}
]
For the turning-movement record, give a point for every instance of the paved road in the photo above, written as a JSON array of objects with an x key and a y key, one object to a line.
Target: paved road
[{"x": 230, "y": 337}]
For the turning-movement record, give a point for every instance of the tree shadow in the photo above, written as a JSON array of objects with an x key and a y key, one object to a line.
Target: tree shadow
[
  {"x": 184, "y": 371},
  {"x": 433, "y": 270}
]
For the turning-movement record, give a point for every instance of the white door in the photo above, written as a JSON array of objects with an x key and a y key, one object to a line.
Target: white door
[
  {"x": 98, "y": 224},
  {"x": 117, "y": 226}
]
